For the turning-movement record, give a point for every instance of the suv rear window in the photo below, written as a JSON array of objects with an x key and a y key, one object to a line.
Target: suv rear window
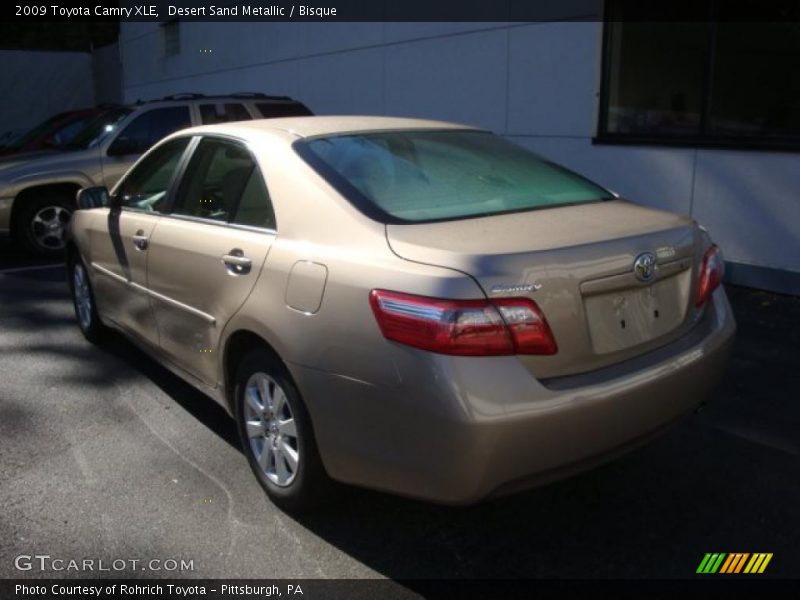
[
  {"x": 435, "y": 175},
  {"x": 273, "y": 110},
  {"x": 223, "y": 113}
]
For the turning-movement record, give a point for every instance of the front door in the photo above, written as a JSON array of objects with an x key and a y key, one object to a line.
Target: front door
[
  {"x": 204, "y": 258},
  {"x": 120, "y": 240}
]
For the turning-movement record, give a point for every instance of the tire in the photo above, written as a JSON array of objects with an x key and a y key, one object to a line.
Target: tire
[
  {"x": 276, "y": 434},
  {"x": 83, "y": 301},
  {"x": 40, "y": 224}
]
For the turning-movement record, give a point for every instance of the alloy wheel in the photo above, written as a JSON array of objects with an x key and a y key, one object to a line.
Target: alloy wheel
[
  {"x": 49, "y": 227},
  {"x": 271, "y": 429}
]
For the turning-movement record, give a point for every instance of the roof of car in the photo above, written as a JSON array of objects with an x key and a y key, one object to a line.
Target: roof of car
[{"x": 326, "y": 125}]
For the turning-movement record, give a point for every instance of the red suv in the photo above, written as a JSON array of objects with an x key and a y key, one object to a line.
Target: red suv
[{"x": 52, "y": 133}]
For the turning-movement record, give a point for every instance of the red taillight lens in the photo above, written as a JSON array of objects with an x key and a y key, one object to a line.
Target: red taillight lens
[
  {"x": 711, "y": 272},
  {"x": 463, "y": 327},
  {"x": 529, "y": 328}
]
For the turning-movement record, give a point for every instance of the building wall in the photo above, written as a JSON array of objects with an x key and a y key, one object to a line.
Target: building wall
[
  {"x": 536, "y": 83},
  {"x": 37, "y": 85},
  {"x": 107, "y": 71}
]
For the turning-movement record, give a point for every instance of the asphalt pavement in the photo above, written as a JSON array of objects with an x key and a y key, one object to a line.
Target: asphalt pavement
[{"x": 104, "y": 454}]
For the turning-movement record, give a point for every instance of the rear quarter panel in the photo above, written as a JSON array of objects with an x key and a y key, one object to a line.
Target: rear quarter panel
[{"x": 315, "y": 224}]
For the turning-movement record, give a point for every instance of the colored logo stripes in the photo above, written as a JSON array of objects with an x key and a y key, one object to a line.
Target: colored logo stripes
[{"x": 735, "y": 562}]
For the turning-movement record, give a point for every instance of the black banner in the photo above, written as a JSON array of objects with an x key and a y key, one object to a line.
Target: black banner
[
  {"x": 402, "y": 10},
  {"x": 356, "y": 589}
]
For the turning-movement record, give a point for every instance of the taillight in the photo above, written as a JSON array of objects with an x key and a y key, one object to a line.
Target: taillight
[
  {"x": 463, "y": 327},
  {"x": 711, "y": 272}
]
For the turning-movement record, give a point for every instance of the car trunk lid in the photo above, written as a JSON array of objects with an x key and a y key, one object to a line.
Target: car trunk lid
[{"x": 577, "y": 264}]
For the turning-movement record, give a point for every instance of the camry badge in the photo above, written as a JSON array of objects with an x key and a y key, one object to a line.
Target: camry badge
[
  {"x": 515, "y": 288},
  {"x": 644, "y": 266}
]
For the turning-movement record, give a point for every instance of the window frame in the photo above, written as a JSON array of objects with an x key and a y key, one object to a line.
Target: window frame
[
  {"x": 704, "y": 139},
  {"x": 180, "y": 172}
]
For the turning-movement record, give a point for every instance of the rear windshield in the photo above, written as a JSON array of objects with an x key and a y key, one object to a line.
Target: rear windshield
[{"x": 435, "y": 175}]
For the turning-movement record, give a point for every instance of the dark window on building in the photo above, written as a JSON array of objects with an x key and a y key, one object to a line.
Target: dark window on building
[
  {"x": 171, "y": 37},
  {"x": 703, "y": 79},
  {"x": 272, "y": 110},
  {"x": 222, "y": 113}
]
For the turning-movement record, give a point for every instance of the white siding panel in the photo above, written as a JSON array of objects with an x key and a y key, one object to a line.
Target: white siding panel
[
  {"x": 460, "y": 78},
  {"x": 552, "y": 70},
  {"x": 750, "y": 202}
]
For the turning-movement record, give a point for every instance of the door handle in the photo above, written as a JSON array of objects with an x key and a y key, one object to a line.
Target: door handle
[
  {"x": 236, "y": 262},
  {"x": 140, "y": 240}
]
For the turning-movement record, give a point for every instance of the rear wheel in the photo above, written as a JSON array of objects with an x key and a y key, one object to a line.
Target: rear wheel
[
  {"x": 41, "y": 224},
  {"x": 276, "y": 434}
]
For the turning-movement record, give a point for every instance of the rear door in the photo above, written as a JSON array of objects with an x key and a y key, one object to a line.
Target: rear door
[
  {"x": 205, "y": 257},
  {"x": 119, "y": 240}
]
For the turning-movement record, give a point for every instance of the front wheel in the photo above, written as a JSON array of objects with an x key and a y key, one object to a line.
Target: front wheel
[
  {"x": 276, "y": 434},
  {"x": 83, "y": 301},
  {"x": 41, "y": 225}
]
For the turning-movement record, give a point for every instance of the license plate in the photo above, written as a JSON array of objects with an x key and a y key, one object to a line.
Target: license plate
[{"x": 626, "y": 318}]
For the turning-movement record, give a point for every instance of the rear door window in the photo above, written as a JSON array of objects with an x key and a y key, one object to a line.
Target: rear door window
[
  {"x": 255, "y": 206},
  {"x": 223, "y": 183}
]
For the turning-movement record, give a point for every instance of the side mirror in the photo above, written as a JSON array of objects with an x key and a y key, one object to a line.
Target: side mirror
[
  {"x": 93, "y": 197},
  {"x": 123, "y": 146}
]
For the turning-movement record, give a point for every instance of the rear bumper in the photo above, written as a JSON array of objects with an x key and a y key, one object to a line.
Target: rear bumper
[
  {"x": 457, "y": 430},
  {"x": 5, "y": 215}
]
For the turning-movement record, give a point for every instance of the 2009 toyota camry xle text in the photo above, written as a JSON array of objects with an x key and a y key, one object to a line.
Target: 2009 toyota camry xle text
[{"x": 414, "y": 306}]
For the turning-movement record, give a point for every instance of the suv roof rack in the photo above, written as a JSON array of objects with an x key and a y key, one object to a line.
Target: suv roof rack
[
  {"x": 239, "y": 95},
  {"x": 184, "y": 96},
  {"x": 258, "y": 95}
]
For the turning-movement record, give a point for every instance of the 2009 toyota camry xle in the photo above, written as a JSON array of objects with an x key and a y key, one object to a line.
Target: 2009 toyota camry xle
[{"x": 413, "y": 306}]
